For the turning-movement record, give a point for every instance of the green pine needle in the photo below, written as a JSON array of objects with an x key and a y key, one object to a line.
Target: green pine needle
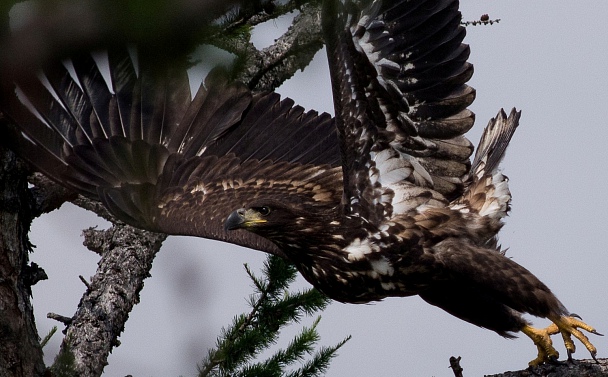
[
  {"x": 319, "y": 363},
  {"x": 64, "y": 364},
  {"x": 48, "y": 337},
  {"x": 272, "y": 308}
]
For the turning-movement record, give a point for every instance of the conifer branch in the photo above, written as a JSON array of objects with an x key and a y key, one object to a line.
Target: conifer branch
[
  {"x": 48, "y": 337},
  {"x": 272, "y": 309},
  {"x": 483, "y": 20}
]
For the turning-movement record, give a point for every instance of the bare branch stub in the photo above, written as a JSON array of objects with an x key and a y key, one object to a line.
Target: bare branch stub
[
  {"x": 455, "y": 366},
  {"x": 47, "y": 195},
  {"x": 60, "y": 318}
]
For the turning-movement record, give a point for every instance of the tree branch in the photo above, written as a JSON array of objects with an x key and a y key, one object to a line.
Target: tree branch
[
  {"x": 578, "y": 368},
  {"x": 267, "y": 69},
  {"x": 127, "y": 255},
  {"x": 113, "y": 291},
  {"x": 48, "y": 195}
]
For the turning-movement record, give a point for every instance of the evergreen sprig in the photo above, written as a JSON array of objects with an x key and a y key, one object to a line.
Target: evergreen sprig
[
  {"x": 272, "y": 308},
  {"x": 48, "y": 337}
]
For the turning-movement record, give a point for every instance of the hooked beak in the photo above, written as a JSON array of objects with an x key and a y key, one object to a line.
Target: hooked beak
[{"x": 242, "y": 219}]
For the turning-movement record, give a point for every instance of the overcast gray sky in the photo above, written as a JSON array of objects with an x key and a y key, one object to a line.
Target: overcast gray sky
[{"x": 547, "y": 59}]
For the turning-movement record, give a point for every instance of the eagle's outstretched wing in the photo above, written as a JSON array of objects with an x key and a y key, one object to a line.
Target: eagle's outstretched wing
[
  {"x": 161, "y": 161},
  {"x": 399, "y": 71}
]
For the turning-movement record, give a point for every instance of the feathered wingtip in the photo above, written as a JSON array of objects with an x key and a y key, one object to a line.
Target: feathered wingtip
[
  {"x": 494, "y": 141},
  {"x": 487, "y": 189}
]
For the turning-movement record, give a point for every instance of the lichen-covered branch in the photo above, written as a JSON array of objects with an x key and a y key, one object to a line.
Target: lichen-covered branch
[
  {"x": 127, "y": 255},
  {"x": 267, "y": 69},
  {"x": 126, "y": 260}
]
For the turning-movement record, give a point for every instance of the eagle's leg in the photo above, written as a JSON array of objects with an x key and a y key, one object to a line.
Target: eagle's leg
[
  {"x": 568, "y": 326},
  {"x": 542, "y": 339}
]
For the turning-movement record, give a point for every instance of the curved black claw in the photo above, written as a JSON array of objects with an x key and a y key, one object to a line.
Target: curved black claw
[
  {"x": 553, "y": 360},
  {"x": 570, "y": 359}
]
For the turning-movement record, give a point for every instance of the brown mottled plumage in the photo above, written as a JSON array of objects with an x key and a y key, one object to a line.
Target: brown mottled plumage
[
  {"x": 390, "y": 205},
  {"x": 416, "y": 216}
]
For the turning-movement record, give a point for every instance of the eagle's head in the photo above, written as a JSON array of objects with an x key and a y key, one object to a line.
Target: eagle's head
[
  {"x": 304, "y": 230},
  {"x": 279, "y": 221},
  {"x": 257, "y": 218}
]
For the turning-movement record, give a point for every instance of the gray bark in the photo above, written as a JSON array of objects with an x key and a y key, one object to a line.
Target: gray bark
[
  {"x": 127, "y": 256},
  {"x": 267, "y": 69},
  {"x": 579, "y": 368}
]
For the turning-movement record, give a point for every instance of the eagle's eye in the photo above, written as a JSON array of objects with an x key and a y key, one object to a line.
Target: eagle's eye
[{"x": 264, "y": 211}]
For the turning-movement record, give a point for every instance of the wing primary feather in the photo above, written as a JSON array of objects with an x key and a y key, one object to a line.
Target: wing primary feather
[
  {"x": 494, "y": 141},
  {"x": 123, "y": 78},
  {"x": 151, "y": 154},
  {"x": 98, "y": 94},
  {"x": 48, "y": 108},
  {"x": 217, "y": 107},
  {"x": 74, "y": 101}
]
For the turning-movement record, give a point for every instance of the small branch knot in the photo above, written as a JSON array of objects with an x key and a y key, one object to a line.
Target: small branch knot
[{"x": 97, "y": 240}]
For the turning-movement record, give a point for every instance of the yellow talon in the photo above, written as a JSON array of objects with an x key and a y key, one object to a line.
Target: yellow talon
[
  {"x": 542, "y": 339},
  {"x": 567, "y": 326}
]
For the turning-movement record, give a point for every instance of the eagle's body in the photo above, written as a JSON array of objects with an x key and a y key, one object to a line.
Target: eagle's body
[{"x": 389, "y": 205}]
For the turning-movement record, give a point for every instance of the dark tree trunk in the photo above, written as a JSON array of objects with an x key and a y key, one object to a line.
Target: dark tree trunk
[{"x": 20, "y": 351}]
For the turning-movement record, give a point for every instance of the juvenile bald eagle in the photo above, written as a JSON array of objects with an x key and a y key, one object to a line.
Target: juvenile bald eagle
[{"x": 389, "y": 205}]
